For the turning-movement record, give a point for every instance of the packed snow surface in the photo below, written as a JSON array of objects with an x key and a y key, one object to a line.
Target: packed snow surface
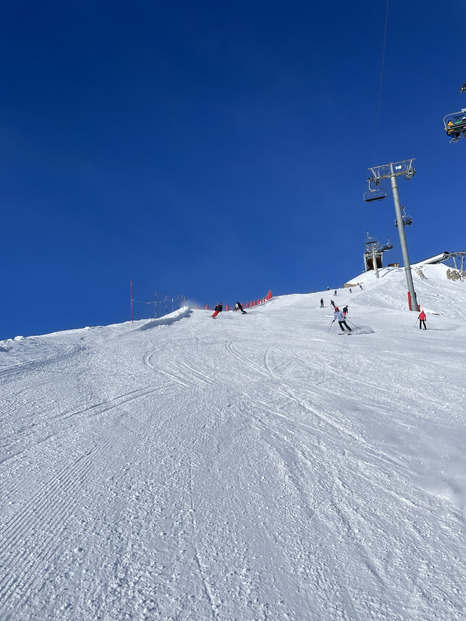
[{"x": 257, "y": 466}]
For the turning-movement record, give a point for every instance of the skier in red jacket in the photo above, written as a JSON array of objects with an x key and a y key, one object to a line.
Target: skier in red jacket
[
  {"x": 422, "y": 320},
  {"x": 218, "y": 309}
]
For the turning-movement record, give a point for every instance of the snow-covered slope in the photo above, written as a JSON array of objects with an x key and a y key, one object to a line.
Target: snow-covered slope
[{"x": 255, "y": 466}]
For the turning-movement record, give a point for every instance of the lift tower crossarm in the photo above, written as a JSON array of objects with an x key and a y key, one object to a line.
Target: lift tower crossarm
[{"x": 397, "y": 169}]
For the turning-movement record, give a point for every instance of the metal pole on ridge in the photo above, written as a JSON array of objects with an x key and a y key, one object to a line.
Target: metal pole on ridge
[{"x": 374, "y": 262}]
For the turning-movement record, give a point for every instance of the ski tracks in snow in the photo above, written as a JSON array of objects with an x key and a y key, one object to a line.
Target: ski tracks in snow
[
  {"x": 213, "y": 475},
  {"x": 28, "y": 541}
]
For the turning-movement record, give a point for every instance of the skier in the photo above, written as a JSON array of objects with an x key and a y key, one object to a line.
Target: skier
[
  {"x": 345, "y": 310},
  {"x": 422, "y": 320},
  {"x": 239, "y": 306},
  {"x": 321, "y": 303},
  {"x": 218, "y": 309},
  {"x": 341, "y": 320},
  {"x": 332, "y": 303}
]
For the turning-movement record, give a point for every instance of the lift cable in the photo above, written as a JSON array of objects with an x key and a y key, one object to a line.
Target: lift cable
[{"x": 379, "y": 103}]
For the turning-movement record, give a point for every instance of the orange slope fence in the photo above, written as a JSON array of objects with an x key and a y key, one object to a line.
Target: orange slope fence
[{"x": 249, "y": 304}]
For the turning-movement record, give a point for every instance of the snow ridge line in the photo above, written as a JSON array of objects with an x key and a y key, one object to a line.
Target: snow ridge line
[{"x": 26, "y": 546}]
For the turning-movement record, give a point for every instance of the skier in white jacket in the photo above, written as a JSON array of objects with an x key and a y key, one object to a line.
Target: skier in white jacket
[{"x": 338, "y": 316}]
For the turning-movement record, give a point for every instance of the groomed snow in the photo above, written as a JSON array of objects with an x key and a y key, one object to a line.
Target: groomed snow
[{"x": 251, "y": 467}]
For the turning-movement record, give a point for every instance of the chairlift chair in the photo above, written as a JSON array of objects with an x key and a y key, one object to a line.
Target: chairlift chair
[
  {"x": 387, "y": 246},
  {"x": 374, "y": 194},
  {"x": 371, "y": 242},
  {"x": 455, "y": 124},
  {"x": 407, "y": 220}
]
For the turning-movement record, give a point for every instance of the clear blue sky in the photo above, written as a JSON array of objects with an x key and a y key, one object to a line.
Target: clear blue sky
[{"x": 215, "y": 149}]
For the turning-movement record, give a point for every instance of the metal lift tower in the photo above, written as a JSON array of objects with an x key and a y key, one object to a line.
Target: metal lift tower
[
  {"x": 374, "y": 253},
  {"x": 392, "y": 171}
]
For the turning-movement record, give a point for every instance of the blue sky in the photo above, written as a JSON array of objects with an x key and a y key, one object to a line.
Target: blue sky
[{"x": 216, "y": 149}]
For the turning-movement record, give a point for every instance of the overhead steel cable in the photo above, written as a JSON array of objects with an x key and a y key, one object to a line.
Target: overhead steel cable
[{"x": 379, "y": 102}]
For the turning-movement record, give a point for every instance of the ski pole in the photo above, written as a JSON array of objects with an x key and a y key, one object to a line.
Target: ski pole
[
  {"x": 353, "y": 324},
  {"x": 330, "y": 326}
]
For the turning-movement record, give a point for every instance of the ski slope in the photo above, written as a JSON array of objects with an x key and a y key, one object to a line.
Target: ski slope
[{"x": 251, "y": 467}]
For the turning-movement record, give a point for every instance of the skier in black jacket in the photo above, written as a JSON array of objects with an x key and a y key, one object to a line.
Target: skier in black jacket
[{"x": 239, "y": 306}]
